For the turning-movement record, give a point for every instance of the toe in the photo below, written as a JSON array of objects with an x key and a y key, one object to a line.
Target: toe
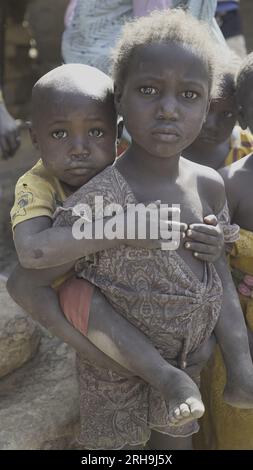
[
  {"x": 196, "y": 407},
  {"x": 185, "y": 411},
  {"x": 177, "y": 413}
]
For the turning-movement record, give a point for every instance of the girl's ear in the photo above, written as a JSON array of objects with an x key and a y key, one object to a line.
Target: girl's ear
[
  {"x": 241, "y": 118},
  {"x": 120, "y": 128},
  {"x": 33, "y": 135}
]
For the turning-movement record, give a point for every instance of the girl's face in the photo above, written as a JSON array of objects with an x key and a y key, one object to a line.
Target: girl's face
[
  {"x": 164, "y": 99},
  {"x": 219, "y": 123}
]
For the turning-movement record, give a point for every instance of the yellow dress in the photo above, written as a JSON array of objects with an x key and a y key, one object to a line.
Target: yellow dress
[
  {"x": 223, "y": 426},
  {"x": 241, "y": 144}
]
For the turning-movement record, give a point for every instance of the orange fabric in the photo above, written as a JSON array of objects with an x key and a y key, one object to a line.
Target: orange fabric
[{"x": 75, "y": 298}]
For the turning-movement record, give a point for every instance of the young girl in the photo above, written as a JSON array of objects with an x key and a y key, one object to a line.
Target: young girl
[
  {"x": 164, "y": 72},
  {"x": 224, "y": 427},
  {"x": 220, "y": 141}
]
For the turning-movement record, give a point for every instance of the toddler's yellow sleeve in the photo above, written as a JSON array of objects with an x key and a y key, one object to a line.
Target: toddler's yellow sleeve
[{"x": 34, "y": 197}]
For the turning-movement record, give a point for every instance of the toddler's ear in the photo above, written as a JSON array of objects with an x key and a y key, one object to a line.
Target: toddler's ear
[
  {"x": 241, "y": 118},
  {"x": 33, "y": 135}
]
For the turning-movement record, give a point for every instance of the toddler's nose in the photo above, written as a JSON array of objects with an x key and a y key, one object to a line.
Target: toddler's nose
[
  {"x": 80, "y": 148},
  {"x": 79, "y": 155}
]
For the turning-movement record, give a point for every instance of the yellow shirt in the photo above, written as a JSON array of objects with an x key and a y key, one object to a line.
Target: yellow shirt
[
  {"x": 37, "y": 194},
  {"x": 241, "y": 144}
]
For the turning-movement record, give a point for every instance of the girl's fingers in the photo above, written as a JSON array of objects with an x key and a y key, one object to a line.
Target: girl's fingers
[{"x": 201, "y": 248}]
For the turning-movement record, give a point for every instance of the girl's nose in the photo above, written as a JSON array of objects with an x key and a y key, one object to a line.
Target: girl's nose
[{"x": 168, "y": 108}]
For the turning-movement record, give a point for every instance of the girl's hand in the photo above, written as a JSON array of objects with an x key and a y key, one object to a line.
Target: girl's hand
[{"x": 205, "y": 240}]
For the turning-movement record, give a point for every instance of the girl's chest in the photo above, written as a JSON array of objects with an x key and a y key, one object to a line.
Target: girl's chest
[{"x": 193, "y": 207}]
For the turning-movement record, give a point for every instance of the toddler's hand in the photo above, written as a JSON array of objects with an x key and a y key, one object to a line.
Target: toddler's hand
[{"x": 205, "y": 240}]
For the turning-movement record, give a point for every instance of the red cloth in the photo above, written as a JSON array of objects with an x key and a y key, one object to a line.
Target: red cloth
[{"x": 75, "y": 298}]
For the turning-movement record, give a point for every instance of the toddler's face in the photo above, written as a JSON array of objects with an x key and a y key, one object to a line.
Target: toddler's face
[
  {"x": 164, "y": 99},
  {"x": 76, "y": 138},
  {"x": 220, "y": 122}
]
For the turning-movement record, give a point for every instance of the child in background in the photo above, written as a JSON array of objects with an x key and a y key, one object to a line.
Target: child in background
[
  {"x": 164, "y": 70},
  {"x": 220, "y": 141},
  {"x": 224, "y": 427},
  {"x": 74, "y": 128}
]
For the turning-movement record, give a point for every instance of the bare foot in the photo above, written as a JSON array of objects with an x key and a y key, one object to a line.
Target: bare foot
[{"x": 183, "y": 398}]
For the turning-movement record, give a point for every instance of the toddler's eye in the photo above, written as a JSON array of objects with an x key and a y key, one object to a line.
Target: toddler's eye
[
  {"x": 60, "y": 134},
  {"x": 189, "y": 95},
  {"x": 228, "y": 114},
  {"x": 96, "y": 132},
  {"x": 148, "y": 90}
]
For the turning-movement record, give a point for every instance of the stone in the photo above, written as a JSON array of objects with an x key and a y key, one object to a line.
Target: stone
[
  {"x": 39, "y": 402},
  {"x": 19, "y": 335}
]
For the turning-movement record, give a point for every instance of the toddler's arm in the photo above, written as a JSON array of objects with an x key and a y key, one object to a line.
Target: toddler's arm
[{"x": 39, "y": 245}]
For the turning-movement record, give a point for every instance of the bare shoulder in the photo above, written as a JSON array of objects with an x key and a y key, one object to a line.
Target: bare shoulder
[
  {"x": 210, "y": 186},
  {"x": 238, "y": 175},
  {"x": 238, "y": 179}
]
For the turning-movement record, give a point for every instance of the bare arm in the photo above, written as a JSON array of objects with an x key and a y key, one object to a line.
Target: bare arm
[
  {"x": 231, "y": 190},
  {"x": 230, "y": 331},
  {"x": 39, "y": 245}
]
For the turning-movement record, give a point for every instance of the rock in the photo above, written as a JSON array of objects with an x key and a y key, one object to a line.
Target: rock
[
  {"x": 39, "y": 402},
  {"x": 19, "y": 335}
]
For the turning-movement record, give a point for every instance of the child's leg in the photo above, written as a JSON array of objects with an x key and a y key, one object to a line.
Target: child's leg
[
  {"x": 41, "y": 302},
  {"x": 112, "y": 334},
  {"x": 159, "y": 441},
  {"x": 231, "y": 335},
  {"x": 129, "y": 347}
]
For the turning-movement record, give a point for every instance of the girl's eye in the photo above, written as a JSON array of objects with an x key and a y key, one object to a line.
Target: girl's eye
[
  {"x": 190, "y": 95},
  {"x": 96, "y": 133},
  {"x": 61, "y": 134},
  {"x": 228, "y": 114},
  {"x": 148, "y": 90}
]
